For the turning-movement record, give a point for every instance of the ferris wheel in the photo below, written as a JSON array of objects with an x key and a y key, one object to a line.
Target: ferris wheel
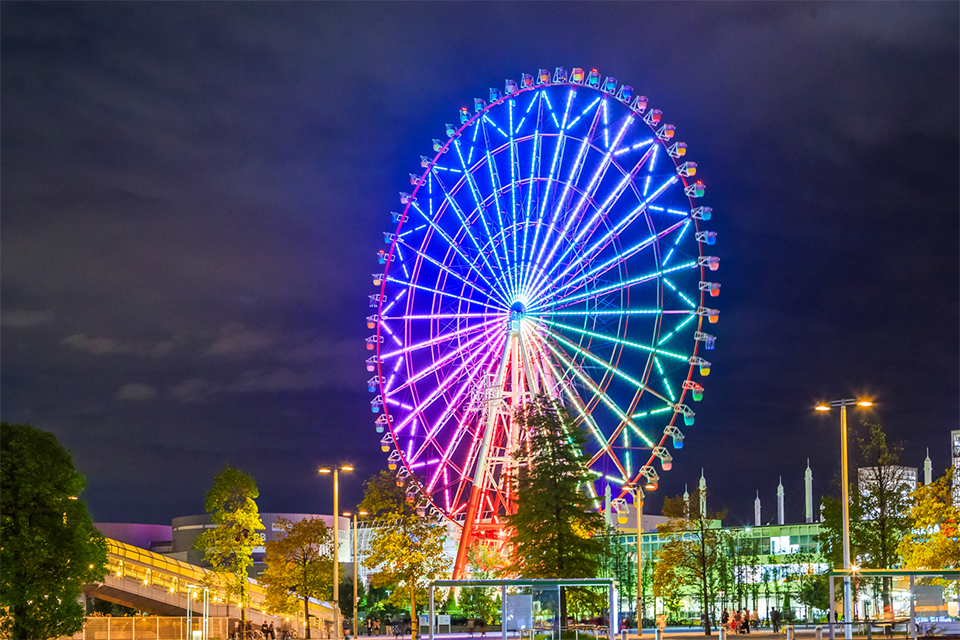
[{"x": 550, "y": 245}]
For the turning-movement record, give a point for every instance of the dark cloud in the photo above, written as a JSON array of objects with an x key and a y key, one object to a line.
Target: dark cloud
[{"x": 192, "y": 196}]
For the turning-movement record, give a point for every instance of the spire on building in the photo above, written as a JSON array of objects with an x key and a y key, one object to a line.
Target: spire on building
[
  {"x": 780, "y": 502},
  {"x": 808, "y": 493},
  {"x": 703, "y": 495},
  {"x": 756, "y": 511},
  {"x": 927, "y": 469},
  {"x": 608, "y": 515}
]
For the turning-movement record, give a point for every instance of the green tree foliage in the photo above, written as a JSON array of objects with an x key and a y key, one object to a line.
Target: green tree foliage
[
  {"x": 556, "y": 529},
  {"x": 383, "y": 495},
  {"x": 815, "y": 592},
  {"x": 618, "y": 563},
  {"x": 878, "y": 509},
  {"x": 299, "y": 564},
  {"x": 692, "y": 549},
  {"x": 346, "y": 596},
  {"x": 229, "y": 547},
  {"x": 49, "y": 547},
  {"x": 476, "y": 602},
  {"x": 557, "y": 532},
  {"x": 668, "y": 585},
  {"x": 933, "y": 539},
  {"x": 407, "y": 551}
]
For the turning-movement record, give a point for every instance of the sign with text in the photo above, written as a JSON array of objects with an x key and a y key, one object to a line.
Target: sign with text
[{"x": 518, "y": 612}]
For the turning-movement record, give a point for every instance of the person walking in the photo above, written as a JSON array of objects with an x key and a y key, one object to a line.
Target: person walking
[
  {"x": 725, "y": 619},
  {"x": 746, "y": 621},
  {"x": 775, "y": 620}
]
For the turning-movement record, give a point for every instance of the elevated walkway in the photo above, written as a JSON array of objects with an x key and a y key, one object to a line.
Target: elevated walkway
[{"x": 157, "y": 584}]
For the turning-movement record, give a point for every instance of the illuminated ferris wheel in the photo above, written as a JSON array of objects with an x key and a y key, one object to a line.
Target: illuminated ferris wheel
[{"x": 552, "y": 244}]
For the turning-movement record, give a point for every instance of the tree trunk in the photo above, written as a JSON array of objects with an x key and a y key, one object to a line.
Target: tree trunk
[{"x": 306, "y": 615}]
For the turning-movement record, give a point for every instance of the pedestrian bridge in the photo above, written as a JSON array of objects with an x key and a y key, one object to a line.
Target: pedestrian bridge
[{"x": 157, "y": 584}]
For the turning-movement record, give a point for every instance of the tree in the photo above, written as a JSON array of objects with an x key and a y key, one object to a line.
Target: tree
[
  {"x": 556, "y": 528},
  {"x": 406, "y": 551},
  {"x": 475, "y": 602},
  {"x": 692, "y": 549},
  {"x": 668, "y": 586},
  {"x": 49, "y": 547},
  {"x": 384, "y": 495},
  {"x": 879, "y": 504},
  {"x": 298, "y": 564},
  {"x": 931, "y": 541},
  {"x": 229, "y": 546}
]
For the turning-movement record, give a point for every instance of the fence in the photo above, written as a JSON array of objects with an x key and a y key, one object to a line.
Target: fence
[{"x": 147, "y": 628}]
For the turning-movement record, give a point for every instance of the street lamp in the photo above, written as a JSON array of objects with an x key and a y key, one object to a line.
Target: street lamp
[
  {"x": 336, "y": 546},
  {"x": 356, "y": 602},
  {"x": 844, "y": 501}
]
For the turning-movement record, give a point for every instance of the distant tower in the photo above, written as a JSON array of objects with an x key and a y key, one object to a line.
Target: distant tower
[
  {"x": 686, "y": 498},
  {"x": 607, "y": 512},
  {"x": 703, "y": 495},
  {"x": 808, "y": 492},
  {"x": 780, "y": 502},
  {"x": 927, "y": 469},
  {"x": 756, "y": 511}
]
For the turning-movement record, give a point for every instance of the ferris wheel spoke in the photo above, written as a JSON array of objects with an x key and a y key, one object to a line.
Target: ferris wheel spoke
[
  {"x": 475, "y": 374},
  {"x": 456, "y": 249},
  {"x": 619, "y": 341},
  {"x": 440, "y": 292},
  {"x": 536, "y": 157},
  {"x": 600, "y": 213},
  {"x": 514, "y": 171},
  {"x": 496, "y": 188},
  {"x": 571, "y": 392},
  {"x": 557, "y": 160},
  {"x": 554, "y": 165},
  {"x": 624, "y": 284},
  {"x": 442, "y": 388},
  {"x": 452, "y": 203},
  {"x": 439, "y": 339},
  {"x": 481, "y": 212},
  {"x": 443, "y": 316},
  {"x": 573, "y": 216},
  {"x": 622, "y": 257},
  {"x": 607, "y": 366},
  {"x": 446, "y": 269},
  {"x": 437, "y": 364},
  {"x": 596, "y": 390}
]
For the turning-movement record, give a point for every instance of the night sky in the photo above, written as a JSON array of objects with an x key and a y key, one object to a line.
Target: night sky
[{"x": 193, "y": 195}]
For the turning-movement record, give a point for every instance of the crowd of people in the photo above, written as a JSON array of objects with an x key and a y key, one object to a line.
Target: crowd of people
[{"x": 742, "y": 620}]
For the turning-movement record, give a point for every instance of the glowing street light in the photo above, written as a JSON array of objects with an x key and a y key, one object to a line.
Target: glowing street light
[
  {"x": 336, "y": 546},
  {"x": 844, "y": 502}
]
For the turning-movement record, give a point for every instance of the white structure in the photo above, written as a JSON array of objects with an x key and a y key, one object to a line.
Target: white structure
[
  {"x": 808, "y": 493},
  {"x": 780, "y": 514},
  {"x": 703, "y": 495},
  {"x": 756, "y": 511}
]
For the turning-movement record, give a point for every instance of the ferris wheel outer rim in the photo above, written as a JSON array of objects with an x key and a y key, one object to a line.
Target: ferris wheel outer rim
[{"x": 404, "y": 216}]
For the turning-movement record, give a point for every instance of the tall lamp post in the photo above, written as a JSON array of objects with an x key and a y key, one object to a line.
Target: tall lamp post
[
  {"x": 336, "y": 544},
  {"x": 355, "y": 599},
  {"x": 845, "y": 502}
]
